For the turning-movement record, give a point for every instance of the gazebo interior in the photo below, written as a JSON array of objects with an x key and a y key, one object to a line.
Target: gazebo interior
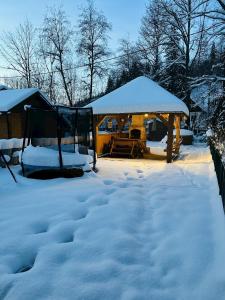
[{"x": 126, "y": 135}]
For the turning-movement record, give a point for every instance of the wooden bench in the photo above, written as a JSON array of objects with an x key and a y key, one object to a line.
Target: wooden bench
[{"x": 127, "y": 147}]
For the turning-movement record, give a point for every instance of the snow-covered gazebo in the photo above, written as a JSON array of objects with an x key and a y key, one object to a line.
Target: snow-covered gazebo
[{"x": 131, "y": 105}]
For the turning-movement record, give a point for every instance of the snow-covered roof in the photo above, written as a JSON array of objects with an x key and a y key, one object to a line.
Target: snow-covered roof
[
  {"x": 141, "y": 95},
  {"x": 12, "y": 97}
]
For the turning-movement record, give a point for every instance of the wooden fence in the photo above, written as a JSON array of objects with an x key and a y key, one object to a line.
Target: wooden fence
[{"x": 220, "y": 171}]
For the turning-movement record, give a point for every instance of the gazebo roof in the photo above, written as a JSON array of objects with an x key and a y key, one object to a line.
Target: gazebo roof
[{"x": 141, "y": 95}]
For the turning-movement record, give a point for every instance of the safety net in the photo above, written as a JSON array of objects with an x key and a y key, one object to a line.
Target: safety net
[{"x": 59, "y": 138}]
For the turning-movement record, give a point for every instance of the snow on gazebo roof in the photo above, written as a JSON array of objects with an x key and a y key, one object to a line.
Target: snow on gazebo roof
[
  {"x": 12, "y": 97},
  {"x": 141, "y": 95}
]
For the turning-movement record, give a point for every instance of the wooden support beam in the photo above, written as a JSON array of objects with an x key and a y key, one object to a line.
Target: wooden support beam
[
  {"x": 170, "y": 138},
  {"x": 177, "y": 126},
  {"x": 162, "y": 119},
  {"x": 8, "y": 125},
  {"x": 99, "y": 120}
]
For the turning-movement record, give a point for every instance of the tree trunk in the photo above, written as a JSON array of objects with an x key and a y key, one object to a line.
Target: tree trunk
[{"x": 64, "y": 82}]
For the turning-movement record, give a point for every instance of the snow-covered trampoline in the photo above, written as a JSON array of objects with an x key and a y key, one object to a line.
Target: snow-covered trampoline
[{"x": 60, "y": 142}]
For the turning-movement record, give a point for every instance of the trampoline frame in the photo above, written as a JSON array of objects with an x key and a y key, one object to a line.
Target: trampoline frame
[{"x": 7, "y": 165}]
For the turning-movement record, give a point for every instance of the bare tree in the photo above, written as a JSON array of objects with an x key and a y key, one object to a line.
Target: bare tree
[
  {"x": 216, "y": 12},
  {"x": 152, "y": 38},
  {"x": 47, "y": 61},
  {"x": 18, "y": 49},
  {"x": 128, "y": 65},
  {"x": 92, "y": 45},
  {"x": 56, "y": 36},
  {"x": 128, "y": 55}
]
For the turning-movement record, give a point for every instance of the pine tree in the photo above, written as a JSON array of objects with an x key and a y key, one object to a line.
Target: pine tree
[
  {"x": 173, "y": 67},
  {"x": 213, "y": 57},
  {"x": 110, "y": 85}
]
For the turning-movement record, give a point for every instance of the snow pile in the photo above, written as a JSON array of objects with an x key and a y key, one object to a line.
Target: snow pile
[
  {"x": 184, "y": 132},
  {"x": 46, "y": 157},
  {"x": 138, "y": 229},
  {"x": 209, "y": 133},
  {"x": 7, "y": 158},
  {"x": 14, "y": 143},
  {"x": 190, "y": 154},
  {"x": 157, "y": 148}
]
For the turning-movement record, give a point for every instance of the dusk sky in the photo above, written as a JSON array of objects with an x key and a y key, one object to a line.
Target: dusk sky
[{"x": 124, "y": 15}]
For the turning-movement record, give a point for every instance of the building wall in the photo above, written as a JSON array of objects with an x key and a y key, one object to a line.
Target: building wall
[
  {"x": 3, "y": 127},
  {"x": 16, "y": 117},
  {"x": 156, "y": 131}
]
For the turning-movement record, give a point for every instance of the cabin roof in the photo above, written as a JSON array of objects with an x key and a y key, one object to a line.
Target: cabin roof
[
  {"x": 12, "y": 97},
  {"x": 141, "y": 95}
]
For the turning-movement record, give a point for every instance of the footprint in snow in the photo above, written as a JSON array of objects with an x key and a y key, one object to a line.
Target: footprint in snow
[
  {"x": 100, "y": 200},
  {"x": 40, "y": 227},
  {"x": 109, "y": 191},
  {"x": 25, "y": 266},
  {"x": 130, "y": 178},
  {"x": 123, "y": 185},
  {"x": 138, "y": 185},
  {"x": 82, "y": 216},
  {"x": 82, "y": 198},
  {"x": 139, "y": 171},
  {"x": 67, "y": 238},
  {"x": 79, "y": 214},
  {"x": 108, "y": 182}
]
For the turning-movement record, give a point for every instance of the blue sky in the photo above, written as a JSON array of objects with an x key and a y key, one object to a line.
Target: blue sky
[{"x": 124, "y": 15}]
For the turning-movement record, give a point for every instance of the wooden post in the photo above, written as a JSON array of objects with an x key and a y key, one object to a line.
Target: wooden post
[
  {"x": 170, "y": 138},
  {"x": 8, "y": 126},
  {"x": 177, "y": 126},
  {"x": 96, "y": 139},
  {"x": 97, "y": 122}
]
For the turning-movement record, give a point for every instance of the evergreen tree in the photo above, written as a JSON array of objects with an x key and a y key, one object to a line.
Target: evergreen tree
[
  {"x": 174, "y": 65},
  {"x": 213, "y": 57},
  {"x": 110, "y": 85}
]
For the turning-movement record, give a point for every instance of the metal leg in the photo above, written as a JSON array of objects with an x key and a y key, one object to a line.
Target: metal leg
[{"x": 7, "y": 165}]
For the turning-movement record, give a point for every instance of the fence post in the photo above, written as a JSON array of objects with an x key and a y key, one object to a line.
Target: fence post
[{"x": 220, "y": 172}]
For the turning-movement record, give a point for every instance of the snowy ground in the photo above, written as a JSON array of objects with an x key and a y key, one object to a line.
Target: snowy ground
[{"x": 137, "y": 229}]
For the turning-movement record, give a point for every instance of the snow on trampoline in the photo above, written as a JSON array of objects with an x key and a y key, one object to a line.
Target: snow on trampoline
[{"x": 47, "y": 157}]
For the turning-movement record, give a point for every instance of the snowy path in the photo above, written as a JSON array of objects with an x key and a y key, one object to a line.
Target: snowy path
[{"x": 135, "y": 230}]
